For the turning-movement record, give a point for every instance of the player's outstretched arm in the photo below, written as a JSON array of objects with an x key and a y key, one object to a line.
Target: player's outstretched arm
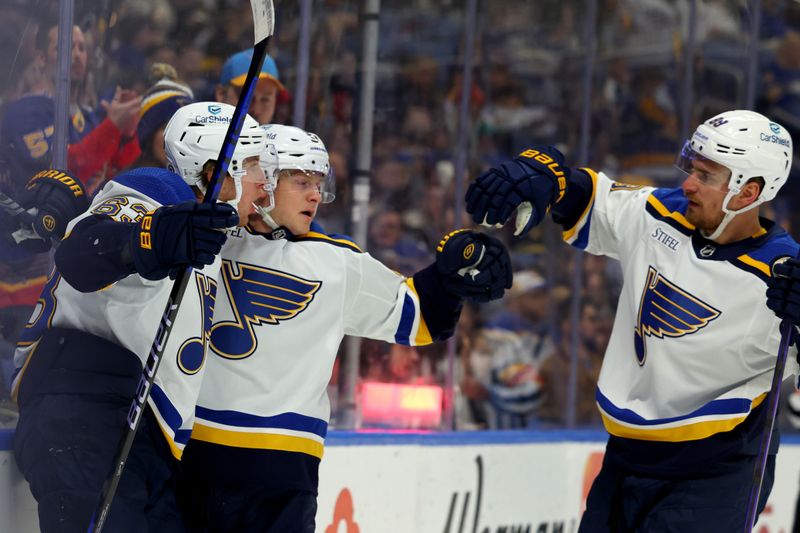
[
  {"x": 52, "y": 198},
  {"x": 100, "y": 250},
  {"x": 530, "y": 184},
  {"x": 469, "y": 265}
]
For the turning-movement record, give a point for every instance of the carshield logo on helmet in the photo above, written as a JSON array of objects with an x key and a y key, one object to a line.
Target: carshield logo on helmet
[
  {"x": 774, "y": 127},
  {"x": 215, "y": 109}
]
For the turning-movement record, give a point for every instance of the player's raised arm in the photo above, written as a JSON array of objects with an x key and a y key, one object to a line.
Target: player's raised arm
[{"x": 162, "y": 239}]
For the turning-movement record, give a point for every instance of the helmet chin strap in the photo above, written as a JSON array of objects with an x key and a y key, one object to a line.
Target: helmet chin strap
[
  {"x": 729, "y": 214},
  {"x": 265, "y": 210}
]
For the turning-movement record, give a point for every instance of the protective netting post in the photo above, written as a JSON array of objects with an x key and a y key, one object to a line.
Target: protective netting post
[
  {"x": 687, "y": 91},
  {"x": 582, "y": 159},
  {"x": 752, "y": 54},
  {"x": 66, "y": 15},
  {"x": 303, "y": 52},
  {"x": 461, "y": 151},
  {"x": 359, "y": 214}
]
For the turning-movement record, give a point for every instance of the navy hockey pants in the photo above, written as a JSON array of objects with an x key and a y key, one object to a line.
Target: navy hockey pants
[
  {"x": 74, "y": 400},
  {"x": 246, "y": 509},
  {"x": 621, "y": 502}
]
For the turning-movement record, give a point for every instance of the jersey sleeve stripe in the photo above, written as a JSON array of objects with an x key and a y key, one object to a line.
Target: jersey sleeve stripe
[
  {"x": 264, "y": 441},
  {"x": 403, "y": 334},
  {"x": 578, "y": 235},
  {"x": 423, "y": 334}
]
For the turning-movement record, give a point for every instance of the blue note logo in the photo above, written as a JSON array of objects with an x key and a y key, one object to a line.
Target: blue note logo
[
  {"x": 666, "y": 310},
  {"x": 257, "y": 296}
]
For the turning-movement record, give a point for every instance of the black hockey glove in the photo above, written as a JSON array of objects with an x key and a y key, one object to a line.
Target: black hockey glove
[
  {"x": 783, "y": 290},
  {"x": 473, "y": 265},
  {"x": 530, "y": 183},
  {"x": 172, "y": 237},
  {"x": 53, "y": 198}
]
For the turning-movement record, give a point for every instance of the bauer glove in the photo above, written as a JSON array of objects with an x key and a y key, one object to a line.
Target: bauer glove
[
  {"x": 184, "y": 235},
  {"x": 52, "y": 198},
  {"x": 473, "y": 265},
  {"x": 530, "y": 183},
  {"x": 783, "y": 290}
]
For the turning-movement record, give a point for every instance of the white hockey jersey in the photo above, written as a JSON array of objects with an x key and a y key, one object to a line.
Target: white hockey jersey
[
  {"x": 128, "y": 312},
  {"x": 694, "y": 345},
  {"x": 282, "y": 310}
]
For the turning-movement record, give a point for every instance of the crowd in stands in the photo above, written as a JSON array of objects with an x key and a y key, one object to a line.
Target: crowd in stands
[{"x": 135, "y": 62}]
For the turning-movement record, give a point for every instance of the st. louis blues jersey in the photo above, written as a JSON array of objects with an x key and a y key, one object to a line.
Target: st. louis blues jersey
[
  {"x": 283, "y": 307},
  {"x": 128, "y": 312},
  {"x": 694, "y": 345}
]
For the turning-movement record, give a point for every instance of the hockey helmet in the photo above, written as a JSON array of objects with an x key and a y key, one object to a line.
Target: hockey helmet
[
  {"x": 291, "y": 149},
  {"x": 749, "y": 145},
  {"x": 194, "y": 135}
]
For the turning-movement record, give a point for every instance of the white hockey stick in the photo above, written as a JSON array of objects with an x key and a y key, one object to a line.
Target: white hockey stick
[{"x": 264, "y": 24}]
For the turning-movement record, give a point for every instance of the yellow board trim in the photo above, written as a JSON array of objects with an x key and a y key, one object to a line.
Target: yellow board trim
[
  {"x": 696, "y": 431},
  {"x": 666, "y": 213},
  {"x": 423, "y": 336},
  {"x": 264, "y": 441},
  {"x": 568, "y": 234},
  {"x": 763, "y": 267}
]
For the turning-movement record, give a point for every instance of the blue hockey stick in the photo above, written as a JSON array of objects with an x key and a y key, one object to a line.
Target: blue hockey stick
[
  {"x": 264, "y": 23},
  {"x": 787, "y": 337}
]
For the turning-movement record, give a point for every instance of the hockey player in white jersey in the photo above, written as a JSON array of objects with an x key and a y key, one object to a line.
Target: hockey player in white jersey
[
  {"x": 80, "y": 357},
  {"x": 287, "y": 297},
  {"x": 694, "y": 344}
]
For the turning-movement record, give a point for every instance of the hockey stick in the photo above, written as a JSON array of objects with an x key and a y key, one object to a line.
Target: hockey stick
[
  {"x": 24, "y": 218},
  {"x": 264, "y": 24},
  {"x": 787, "y": 337}
]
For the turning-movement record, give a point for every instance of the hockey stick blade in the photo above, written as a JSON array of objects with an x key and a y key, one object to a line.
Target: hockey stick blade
[
  {"x": 24, "y": 218},
  {"x": 264, "y": 25}
]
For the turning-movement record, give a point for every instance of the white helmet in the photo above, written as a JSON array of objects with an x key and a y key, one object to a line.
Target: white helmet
[
  {"x": 194, "y": 135},
  {"x": 292, "y": 148},
  {"x": 750, "y": 146}
]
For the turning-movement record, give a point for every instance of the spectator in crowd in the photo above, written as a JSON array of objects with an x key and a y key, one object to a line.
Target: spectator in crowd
[
  {"x": 97, "y": 147},
  {"x": 555, "y": 371},
  {"x": 391, "y": 244},
  {"x": 265, "y": 97},
  {"x": 501, "y": 376},
  {"x": 165, "y": 96}
]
